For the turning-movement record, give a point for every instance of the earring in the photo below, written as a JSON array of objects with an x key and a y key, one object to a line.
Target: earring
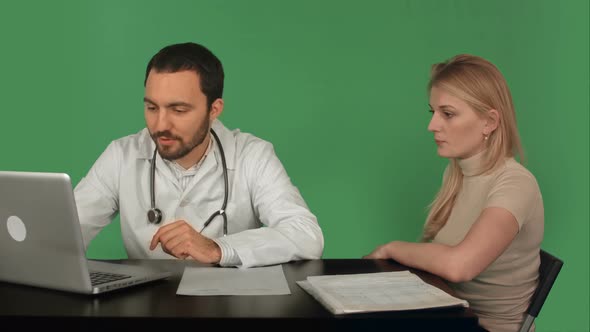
[{"x": 485, "y": 137}]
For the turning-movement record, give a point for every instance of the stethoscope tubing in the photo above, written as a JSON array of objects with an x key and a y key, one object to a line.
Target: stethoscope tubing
[{"x": 155, "y": 215}]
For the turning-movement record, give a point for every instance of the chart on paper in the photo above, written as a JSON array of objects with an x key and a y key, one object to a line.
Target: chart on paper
[{"x": 376, "y": 292}]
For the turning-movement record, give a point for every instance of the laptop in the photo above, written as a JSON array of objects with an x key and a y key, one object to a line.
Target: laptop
[{"x": 41, "y": 239}]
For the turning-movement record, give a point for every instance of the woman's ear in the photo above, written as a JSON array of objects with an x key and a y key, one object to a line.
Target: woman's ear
[{"x": 492, "y": 121}]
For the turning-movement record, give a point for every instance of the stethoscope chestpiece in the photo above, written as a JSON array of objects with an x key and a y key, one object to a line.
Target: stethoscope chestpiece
[{"x": 154, "y": 216}]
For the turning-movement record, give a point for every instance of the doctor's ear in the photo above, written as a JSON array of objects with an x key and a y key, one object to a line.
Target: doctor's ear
[{"x": 216, "y": 109}]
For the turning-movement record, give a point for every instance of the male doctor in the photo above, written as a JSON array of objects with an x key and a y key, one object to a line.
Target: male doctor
[{"x": 188, "y": 187}]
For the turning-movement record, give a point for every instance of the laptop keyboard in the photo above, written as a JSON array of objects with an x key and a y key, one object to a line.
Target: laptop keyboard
[{"x": 97, "y": 278}]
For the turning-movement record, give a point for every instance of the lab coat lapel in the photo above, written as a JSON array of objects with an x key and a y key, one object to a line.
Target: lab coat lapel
[
  {"x": 162, "y": 170},
  {"x": 205, "y": 174}
]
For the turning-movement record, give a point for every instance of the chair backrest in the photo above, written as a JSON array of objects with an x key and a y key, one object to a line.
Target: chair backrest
[{"x": 548, "y": 271}]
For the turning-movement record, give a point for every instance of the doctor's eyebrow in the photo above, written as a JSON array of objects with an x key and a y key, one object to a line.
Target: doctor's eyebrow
[
  {"x": 169, "y": 105},
  {"x": 179, "y": 103},
  {"x": 147, "y": 100}
]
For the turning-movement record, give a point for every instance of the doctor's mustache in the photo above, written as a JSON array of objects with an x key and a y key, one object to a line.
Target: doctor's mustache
[{"x": 166, "y": 134}]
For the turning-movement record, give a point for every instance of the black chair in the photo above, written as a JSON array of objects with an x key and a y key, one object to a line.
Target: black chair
[{"x": 548, "y": 271}]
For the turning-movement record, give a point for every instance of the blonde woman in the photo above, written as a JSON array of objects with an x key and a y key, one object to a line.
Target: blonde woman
[{"x": 485, "y": 226}]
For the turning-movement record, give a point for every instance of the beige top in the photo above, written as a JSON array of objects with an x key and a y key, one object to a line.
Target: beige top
[{"x": 500, "y": 295}]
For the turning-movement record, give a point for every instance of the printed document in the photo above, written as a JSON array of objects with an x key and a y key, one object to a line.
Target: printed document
[
  {"x": 268, "y": 280},
  {"x": 382, "y": 291}
]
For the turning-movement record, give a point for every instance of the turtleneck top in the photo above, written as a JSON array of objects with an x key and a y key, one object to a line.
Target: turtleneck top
[{"x": 501, "y": 294}]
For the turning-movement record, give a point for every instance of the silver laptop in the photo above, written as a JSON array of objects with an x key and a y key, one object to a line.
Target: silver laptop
[{"x": 41, "y": 240}]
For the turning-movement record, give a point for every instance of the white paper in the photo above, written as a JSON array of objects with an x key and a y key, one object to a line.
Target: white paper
[
  {"x": 381, "y": 291},
  {"x": 268, "y": 280}
]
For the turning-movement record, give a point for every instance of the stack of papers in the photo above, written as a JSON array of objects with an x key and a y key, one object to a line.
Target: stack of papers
[
  {"x": 370, "y": 292},
  {"x": 207, "y": 281}
]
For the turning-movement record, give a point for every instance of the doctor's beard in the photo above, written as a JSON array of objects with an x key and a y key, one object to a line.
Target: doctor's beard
[{"x": 174, "y": 153}]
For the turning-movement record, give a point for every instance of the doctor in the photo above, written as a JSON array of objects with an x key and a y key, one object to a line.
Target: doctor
[{"x": 188, "y": 187}]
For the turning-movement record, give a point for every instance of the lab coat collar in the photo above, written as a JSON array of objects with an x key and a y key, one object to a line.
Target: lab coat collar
[{"x": 146, "y": 144}]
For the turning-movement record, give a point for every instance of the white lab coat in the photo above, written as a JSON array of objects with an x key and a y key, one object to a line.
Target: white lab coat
[{"x": 260, "y": 194}]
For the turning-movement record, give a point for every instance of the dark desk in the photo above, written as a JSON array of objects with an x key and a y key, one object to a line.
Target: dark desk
[{"x": 155, "y": 306}]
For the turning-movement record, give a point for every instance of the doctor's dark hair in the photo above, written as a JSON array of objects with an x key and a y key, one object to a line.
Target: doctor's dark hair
[{"x": 193, "y": 57}]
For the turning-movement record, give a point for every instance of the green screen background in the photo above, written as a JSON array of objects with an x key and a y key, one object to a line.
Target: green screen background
[{"x": 338, "y": 88}]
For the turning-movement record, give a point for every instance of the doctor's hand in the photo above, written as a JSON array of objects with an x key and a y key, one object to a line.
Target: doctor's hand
[{"x": 181, "y": 240}]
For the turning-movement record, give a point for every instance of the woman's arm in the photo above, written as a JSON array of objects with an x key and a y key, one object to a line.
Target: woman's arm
[{"x": 489, "y": 236}]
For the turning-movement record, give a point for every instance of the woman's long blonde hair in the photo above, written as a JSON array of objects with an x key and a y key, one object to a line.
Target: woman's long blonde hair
[{"x": 481, "y": 85}]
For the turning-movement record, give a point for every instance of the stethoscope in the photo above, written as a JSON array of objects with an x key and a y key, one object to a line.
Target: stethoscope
[{"x": 155, "y": 215}]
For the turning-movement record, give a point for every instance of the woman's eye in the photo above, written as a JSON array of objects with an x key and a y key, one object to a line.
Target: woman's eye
[{"x": 449, "y": 114}]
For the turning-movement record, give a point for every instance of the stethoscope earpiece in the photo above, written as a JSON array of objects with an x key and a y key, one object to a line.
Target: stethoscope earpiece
[{"x": 155, "y": 215}]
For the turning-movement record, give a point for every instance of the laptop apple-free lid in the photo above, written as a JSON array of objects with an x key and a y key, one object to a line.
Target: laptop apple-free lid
[{"x": 41, "y": 240}]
